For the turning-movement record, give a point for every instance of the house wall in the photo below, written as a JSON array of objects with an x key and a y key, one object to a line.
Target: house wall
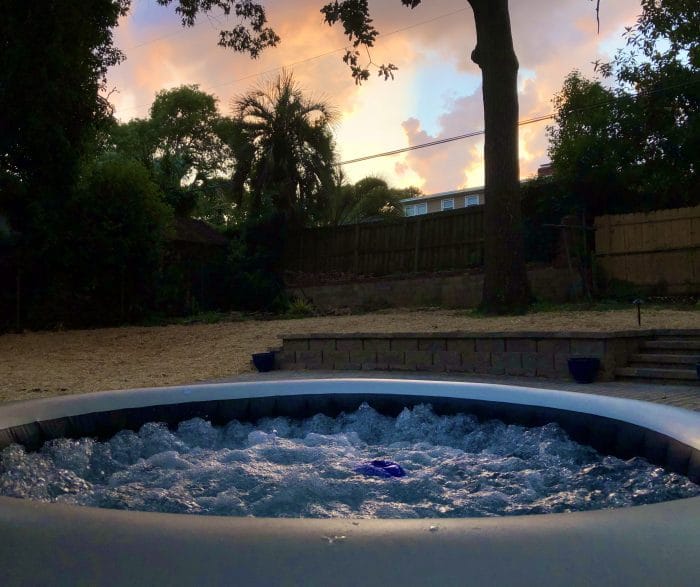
[{"x": 435, "y": 202}]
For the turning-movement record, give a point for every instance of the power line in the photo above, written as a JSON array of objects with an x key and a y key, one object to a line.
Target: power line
[
  {"x": 468, "y": 135},
  {"x": 520, "y": 123}
]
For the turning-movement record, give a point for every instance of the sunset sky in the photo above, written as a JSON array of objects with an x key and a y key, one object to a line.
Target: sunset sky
[{"x": 436, "y": 93}]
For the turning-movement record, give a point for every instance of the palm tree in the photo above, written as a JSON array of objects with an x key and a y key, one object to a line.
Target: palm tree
[
  {"x": 286, "y": 159},
  {"x": 369, "y": 198}
]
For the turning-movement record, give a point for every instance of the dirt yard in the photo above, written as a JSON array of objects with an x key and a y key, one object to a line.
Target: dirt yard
[{"x": 57, "y": 363}]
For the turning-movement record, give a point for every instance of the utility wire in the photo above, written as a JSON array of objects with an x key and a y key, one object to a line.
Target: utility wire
[
  {"x": 520, "y": 123},
  {"x": 468, "y": 135}
]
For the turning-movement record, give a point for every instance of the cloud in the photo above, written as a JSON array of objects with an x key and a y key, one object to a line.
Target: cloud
[
  {"x": 551, "y": 39},
  {"x": 435, "y": 94}
]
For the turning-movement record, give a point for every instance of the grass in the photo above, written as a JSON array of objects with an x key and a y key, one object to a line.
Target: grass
[
  {"x": 602, "y": 305},
  {"x": 299, "y": 308}
]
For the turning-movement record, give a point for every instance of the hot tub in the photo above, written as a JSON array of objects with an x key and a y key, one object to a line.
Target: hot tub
[{"x": 60, "y": 544}]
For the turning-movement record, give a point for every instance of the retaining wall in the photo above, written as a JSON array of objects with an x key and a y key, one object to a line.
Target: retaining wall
[
  {"x": 534, "y": 354},
  {"x": 450, "y": 290}
]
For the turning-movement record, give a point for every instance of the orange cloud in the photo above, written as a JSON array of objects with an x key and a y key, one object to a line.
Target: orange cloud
[{"x": 551, "y": 38}]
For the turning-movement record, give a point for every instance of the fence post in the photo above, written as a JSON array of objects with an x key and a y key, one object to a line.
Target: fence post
[{"x": 417, "y": 251}]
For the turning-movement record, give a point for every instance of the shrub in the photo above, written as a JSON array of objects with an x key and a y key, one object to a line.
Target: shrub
[{"x": 112, "y": 247}]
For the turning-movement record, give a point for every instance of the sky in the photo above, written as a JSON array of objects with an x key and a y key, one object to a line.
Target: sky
[{"x": 436, "y": 92}]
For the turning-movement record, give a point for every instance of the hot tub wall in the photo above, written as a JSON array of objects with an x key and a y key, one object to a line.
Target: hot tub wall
[{"x": 607, "y": 435}]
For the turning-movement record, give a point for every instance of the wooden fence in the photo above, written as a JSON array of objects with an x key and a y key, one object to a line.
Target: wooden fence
[
  {"x": 448, "y": 240},
  {"x": 659, "y": 248}
]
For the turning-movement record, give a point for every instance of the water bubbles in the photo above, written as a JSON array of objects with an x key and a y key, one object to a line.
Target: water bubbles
[
  {"x": 335, "y": 539},
  {"x": 457, "y": 467}
]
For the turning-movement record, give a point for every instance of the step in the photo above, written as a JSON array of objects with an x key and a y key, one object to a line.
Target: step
[
  {"x": 675, "y": 345},
  {"x": 689, "y": 359},
  {"x": 655, "y": 373},
  {"x": 663, "y": 366}
]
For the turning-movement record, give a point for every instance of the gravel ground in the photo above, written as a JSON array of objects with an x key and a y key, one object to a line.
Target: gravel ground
[{"x": 38, "y": 364}]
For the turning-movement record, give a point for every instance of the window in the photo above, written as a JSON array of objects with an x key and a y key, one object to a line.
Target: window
[
  {"x": 447, "y": 204},
  {"x": 471, "y": 201},
  {"x": 416, "y": 209}
]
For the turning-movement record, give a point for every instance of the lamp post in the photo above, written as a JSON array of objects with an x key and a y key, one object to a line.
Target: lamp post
[{"x": 638, "y": 302}]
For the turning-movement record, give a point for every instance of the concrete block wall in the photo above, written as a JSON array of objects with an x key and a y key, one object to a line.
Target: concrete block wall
[
  {"x": 448, "y": 291},
  {"x": 530, "y": 354}
]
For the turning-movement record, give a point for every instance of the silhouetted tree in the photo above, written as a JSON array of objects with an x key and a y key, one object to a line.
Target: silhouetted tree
[
  {"x": 370, "y": 197},
  {"x": 184, "y": 143},
  {"x": 288, "y": 162}
]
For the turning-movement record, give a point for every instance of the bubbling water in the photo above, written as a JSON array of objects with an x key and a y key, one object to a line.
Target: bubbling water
[{"x": 455, "y": 467}]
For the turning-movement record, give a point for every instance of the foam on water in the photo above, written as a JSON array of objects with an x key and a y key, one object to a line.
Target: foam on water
[{"x": 455, "y": 467}]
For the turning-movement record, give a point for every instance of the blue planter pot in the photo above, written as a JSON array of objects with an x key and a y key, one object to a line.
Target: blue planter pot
[
  {"x": 584, "y": 369},
  {"x": 264, "y": 361}
]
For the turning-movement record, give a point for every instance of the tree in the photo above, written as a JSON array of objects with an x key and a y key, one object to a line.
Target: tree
[
  {"x": 636, "y": 146},
  {"x": 661, "y": 65},
  {"x": 119, "y": 227},
  {"x": 593, "y": 146},
  {"x": 110, "y": 251},
  {"x": 288, "y": 162},
  {"x": 53, "y": 60},
  {"x": 506, "y": 287},
  {"x": 183, "y": 143},
  {"x": 505, "y": 281},
  {"x": 369, "y": 198}
]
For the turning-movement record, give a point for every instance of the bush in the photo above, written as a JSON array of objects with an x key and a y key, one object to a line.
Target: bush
[
  {"x": 111, "y": 247},
  {"x": 544, "y": 202},
  {"x": 256, "y": 264}
]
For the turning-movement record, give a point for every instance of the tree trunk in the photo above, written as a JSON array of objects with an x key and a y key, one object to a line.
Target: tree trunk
[{"x": 506, "y": 287}]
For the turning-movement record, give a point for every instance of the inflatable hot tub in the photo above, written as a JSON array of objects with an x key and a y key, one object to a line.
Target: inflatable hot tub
[{"x": 54, "y": 544}]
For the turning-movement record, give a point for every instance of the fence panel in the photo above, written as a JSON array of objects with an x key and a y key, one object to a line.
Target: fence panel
[
  {"x": 659, "y": 248},
  {"x": 433, "y": 242}
]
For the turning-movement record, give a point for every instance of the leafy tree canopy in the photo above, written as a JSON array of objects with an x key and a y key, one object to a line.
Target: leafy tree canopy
[
  {"x": 636, "y": 145},
  {"x": 505, "y": 284},
  {"x": 183, "y": 143},
  {"x": 369, "y": 198},
  {"x": 53, "y": 60}
]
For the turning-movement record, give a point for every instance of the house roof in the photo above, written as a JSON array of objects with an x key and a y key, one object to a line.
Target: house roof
[
  {"x": 462, "y": 192},
  {"x": 191, "y": 230}
]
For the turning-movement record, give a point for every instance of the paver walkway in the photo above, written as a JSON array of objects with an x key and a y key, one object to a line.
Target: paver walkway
[{"x": 680, "y": 396}]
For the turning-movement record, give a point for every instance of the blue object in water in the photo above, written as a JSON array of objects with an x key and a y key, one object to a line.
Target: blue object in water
[{"x": 379, "y": 468}]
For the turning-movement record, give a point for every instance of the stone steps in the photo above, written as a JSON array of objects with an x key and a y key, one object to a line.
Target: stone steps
[
  {"x": 673, "y": 345},
  {"x": 686, "y": 361},
  {"x": 665, "y": 359},
  {"x": 656, "y": 373}
]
